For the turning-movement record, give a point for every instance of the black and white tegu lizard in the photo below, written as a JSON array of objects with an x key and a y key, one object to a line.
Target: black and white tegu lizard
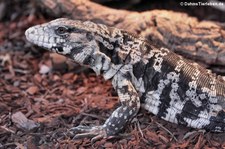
[{"x": 164, "y": 83}]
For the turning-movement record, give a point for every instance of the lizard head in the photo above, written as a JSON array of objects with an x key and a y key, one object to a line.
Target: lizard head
[{"x": 71, "y": 38}]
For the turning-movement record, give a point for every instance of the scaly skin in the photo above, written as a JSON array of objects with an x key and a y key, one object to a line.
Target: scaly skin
[{"x": 163, "y": 82}]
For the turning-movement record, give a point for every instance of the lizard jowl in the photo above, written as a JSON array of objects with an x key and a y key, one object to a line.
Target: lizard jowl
[{"x": 164, "y": 83}]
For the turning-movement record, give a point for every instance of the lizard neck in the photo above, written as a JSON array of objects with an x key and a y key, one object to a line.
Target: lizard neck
[
  {"x": 105, "y": 61},
  {"x": 114, "y": 48}
]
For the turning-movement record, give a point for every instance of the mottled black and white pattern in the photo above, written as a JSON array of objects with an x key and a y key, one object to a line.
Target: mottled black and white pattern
[{"x": 163, "y": 82}]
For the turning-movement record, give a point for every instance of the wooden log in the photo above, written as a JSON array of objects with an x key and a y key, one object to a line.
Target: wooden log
[{"x": 201, "y": 41}]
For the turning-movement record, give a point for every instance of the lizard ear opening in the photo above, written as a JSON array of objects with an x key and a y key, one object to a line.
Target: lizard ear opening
[
  {"x": 89, "y": 36},
  {"x": 57, "y": 49}
]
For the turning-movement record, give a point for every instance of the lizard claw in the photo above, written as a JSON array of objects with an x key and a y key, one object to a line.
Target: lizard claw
[{"x": 96, "y": 133}]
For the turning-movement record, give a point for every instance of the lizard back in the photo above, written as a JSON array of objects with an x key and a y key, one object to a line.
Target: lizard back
[{"x": 181, "y": 91}]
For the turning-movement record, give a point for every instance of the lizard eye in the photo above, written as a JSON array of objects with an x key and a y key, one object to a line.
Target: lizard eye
[{"x": 61, "y": 30}]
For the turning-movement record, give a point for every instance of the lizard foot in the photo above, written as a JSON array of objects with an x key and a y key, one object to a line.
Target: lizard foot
[{"x": 96, "y": 132}]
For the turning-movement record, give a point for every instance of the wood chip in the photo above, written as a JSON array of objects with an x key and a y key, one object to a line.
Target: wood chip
[
  {"x": 44, "y": 69},
  {"x": 32, "y": 90},
  {"x": 22, "y": 122}
]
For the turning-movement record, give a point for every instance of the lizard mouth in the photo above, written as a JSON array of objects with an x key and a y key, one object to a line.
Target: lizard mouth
[
  {"x": 37, "y": 39},
  {"x": 40, "y": 38}
]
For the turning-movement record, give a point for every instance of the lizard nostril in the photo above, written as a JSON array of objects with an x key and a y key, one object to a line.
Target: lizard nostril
[{"x": 29, "y": 31}]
